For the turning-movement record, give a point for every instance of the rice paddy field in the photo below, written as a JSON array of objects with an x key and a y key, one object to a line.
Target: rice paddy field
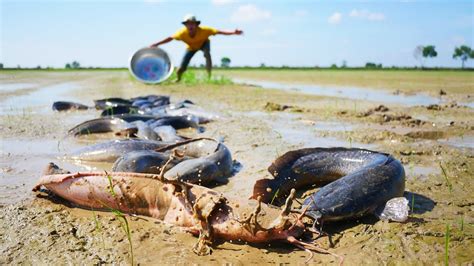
[{"x": 422, "y": 118}]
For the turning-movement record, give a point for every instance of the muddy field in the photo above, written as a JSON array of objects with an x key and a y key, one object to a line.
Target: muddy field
[{"x": 429, "y": 128}]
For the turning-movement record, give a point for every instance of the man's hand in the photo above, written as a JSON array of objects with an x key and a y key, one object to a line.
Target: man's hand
[
  {"x": 238, "y": 32},
  {"x": 166, "y": 40}
]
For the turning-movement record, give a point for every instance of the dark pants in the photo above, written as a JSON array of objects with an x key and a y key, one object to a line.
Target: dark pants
[{"x": 205, "y": 48}]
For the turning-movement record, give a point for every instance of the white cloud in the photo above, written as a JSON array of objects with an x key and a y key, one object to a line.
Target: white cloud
[
  {"x": 365, "y": 14},
  {"x": 250, "y": 13},
  {"x": 335, "y": 18},
  {"x": 222, "y": 2}
]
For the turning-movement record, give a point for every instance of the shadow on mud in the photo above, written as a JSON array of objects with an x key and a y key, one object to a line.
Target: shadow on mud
[
  {"x": 274, "y": 247},
  {"x": 52, "y": 198},
  {"x": 418, "y": 203}
]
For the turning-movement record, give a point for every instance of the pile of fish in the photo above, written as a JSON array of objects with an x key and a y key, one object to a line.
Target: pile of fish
[
  {"x": 144, "y": 105},
  {"x": 147, "y": 130},
  {"x": 160, "y": 174}
]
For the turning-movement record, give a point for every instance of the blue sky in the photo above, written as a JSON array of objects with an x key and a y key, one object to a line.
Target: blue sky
[{"x": 293, "y": 33}]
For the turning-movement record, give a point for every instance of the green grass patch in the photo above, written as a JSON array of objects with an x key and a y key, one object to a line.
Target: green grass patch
[
  {"x": 126, "y": 229},
  {"x": 274, "y": 196},
  {"x": 121, "y": 217},
  {"x": 111, "y": 185},
  {"x": 98, "y": 228},
  {"x": 448, "y": 182},
  {"x": 191, "y": 77}
]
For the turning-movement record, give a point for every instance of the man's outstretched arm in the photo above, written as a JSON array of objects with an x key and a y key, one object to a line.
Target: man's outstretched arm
[
  {"x": 234, "y": 32},
  {"x": 166, "y": 40}
]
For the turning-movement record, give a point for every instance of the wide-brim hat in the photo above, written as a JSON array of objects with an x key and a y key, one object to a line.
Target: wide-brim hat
[{"x": 190, "y": 18}]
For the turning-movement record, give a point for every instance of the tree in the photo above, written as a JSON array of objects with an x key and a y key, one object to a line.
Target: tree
[
  {"x": 1, "y": 65},
  {"x": 75, "y": 65},
  {"x": 225, "y": 62},
  {"x": 68, "y": 66},
  {"x": 372, "y": 65},
  {"x": 429, "y": 51},
  {"x": 464, "y": 52},
  {"x": 344, "y": 64},
  {"x": 418, "y": 54}
]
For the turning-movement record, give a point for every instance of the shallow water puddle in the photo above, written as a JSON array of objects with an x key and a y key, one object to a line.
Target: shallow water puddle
[
  {"x": 15, "y": 86},
  {"x": 355, "y": 93},
  {"x": 33, "y": 147},
  {"x": 459, "y": 142},
  {"x": 305, "y": 133},
  {"x": 468, "y": 104},
  {"x": 38, "y": 101},
  {"x": 333, "y": 126},
  {"x": 305, "y": 138},
  {"x": 23, "y": 160}
]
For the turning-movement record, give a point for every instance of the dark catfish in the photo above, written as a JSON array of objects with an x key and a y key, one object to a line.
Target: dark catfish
[
  {"x": 68, "y": 106},
  {"x": 202, "y": 161},
  {"x": 356, "y": 181},
  {"x": 117, "y": 110},
  {"x": 146, "y": 161},
  {"x": 102, "y": 104}
]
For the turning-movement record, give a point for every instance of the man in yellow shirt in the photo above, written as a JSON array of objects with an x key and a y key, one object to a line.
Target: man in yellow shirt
[{"x": 196, "y": 38}]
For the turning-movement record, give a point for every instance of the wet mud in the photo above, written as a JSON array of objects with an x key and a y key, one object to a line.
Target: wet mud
[{"x": 435, "y": 145}]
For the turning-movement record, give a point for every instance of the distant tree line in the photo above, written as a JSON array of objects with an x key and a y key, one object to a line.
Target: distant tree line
[
  {"x": 73, "y": 65},
  {"x": 463, "y": 52},
  {"x": 421, "y": 53}
]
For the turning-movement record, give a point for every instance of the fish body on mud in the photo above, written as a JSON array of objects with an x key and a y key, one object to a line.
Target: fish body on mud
[
  {"x": 109, "y": 151},
  {"x": 355, "y": 181},
  {"x": 200, "y": 210},
  {"x": 202, "y": 161},
  {"x": 210, "y": 161},
  {"x": 106, "y": 124},
  {"x": 117, "y": 110},
  {"x": 117, "y": 123},
  {"x": 146, "y": 161},
  {"x": 102, "y": 104},
  {"x": 167, "y": 133},
  {"x": 177, "y": 122},
  {"x": 68, "y": 106}
]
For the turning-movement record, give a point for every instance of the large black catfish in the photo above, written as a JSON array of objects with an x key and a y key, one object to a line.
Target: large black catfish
[{"x": 357, "y": 181}]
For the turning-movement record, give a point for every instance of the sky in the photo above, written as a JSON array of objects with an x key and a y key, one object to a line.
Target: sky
[{"x": 105, "y": 33}]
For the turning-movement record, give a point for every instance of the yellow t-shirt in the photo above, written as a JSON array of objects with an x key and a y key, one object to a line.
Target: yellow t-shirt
[{"x": 202, "y": 35}]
